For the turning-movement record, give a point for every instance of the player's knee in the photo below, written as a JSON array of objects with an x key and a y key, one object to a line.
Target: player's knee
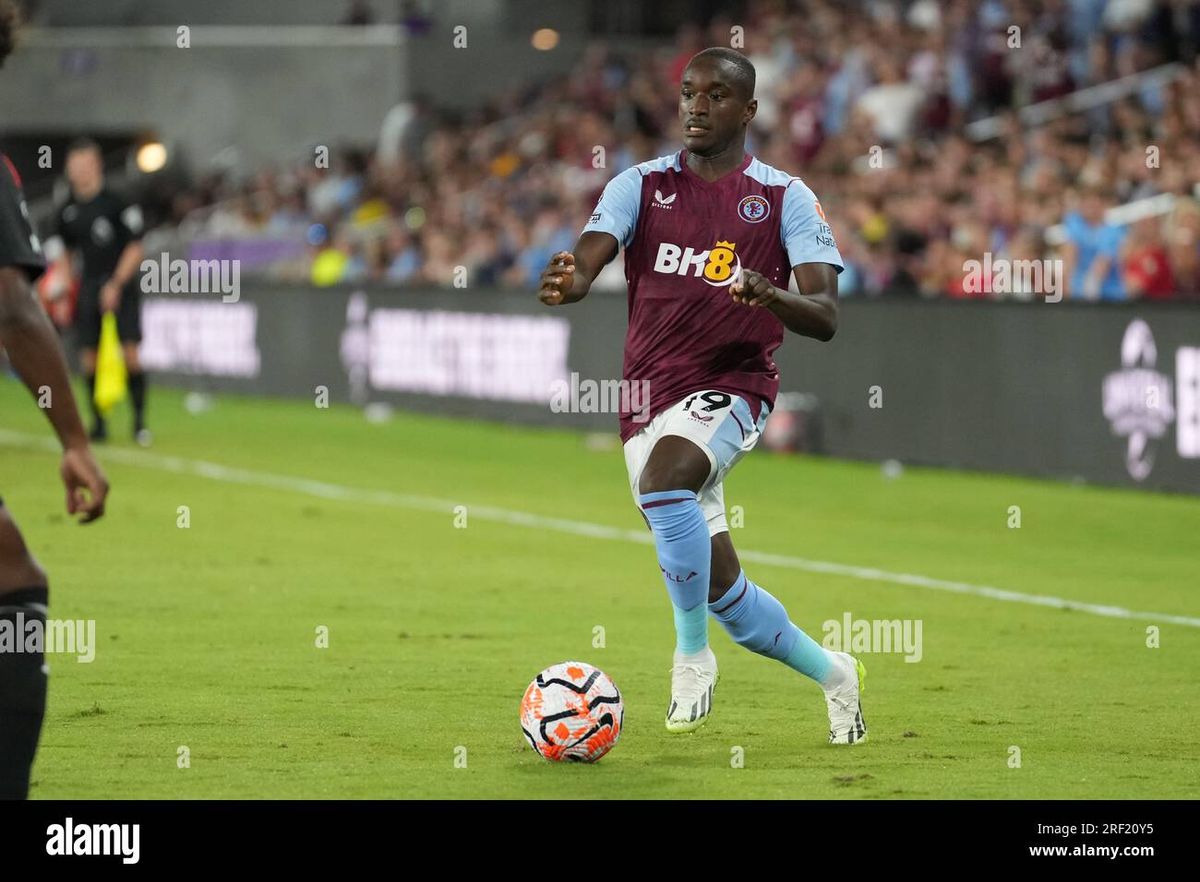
[
  {"x": 19, "y": 573},
  {"x": 18, "y": 569}
]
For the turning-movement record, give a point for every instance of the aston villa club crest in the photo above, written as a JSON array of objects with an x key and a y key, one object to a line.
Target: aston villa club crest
[{"x": 753, "y": 209}]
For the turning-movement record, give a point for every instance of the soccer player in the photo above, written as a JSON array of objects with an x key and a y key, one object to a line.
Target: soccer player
[
  {"x": 106, "y": 231},
  {"x": 33, "y": 348},
  {"x": 710, "y": 234}
]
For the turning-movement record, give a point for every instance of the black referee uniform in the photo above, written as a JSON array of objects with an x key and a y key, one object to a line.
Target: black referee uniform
[{"x": 99, "y": 230}]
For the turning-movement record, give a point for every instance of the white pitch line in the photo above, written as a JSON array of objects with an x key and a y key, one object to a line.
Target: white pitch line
[{"x": 325, "y": 490}]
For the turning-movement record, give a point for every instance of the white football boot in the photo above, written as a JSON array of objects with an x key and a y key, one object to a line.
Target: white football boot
[
  {"x": 846, "y": 724},
  {"x": 692, "y": 685}
]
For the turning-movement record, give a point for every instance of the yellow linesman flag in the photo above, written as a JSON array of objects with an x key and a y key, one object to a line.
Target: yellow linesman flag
[{"x": 111, "y": 379}]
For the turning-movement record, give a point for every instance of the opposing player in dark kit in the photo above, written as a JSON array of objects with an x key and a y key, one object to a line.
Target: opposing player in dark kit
[{"x": 33, "y": 349}]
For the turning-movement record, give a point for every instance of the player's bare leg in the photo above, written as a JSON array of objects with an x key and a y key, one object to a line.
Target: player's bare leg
[
  {"x": 673, "y": 475},
  {"x": 757, "y": 621},
  {"x": 725, "y": 566},
  {"x": 23, "y": 597}
]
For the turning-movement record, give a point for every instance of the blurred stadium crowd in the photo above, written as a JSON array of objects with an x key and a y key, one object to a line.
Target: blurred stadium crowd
[{"x": 867, "y": 101}]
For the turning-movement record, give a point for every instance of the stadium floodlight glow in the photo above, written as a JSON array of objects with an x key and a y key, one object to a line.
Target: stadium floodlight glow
[
  {"x": 544, "y": 39},
  {"x": 151, "y": 157}
]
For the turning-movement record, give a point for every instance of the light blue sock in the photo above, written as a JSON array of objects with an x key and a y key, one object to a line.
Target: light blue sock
[
  {"x": 757, "y": 621},
  {"x": 807, "y": 656},
  {"x": 685, "y": 557},
  {"x": 691, "y": 628}
]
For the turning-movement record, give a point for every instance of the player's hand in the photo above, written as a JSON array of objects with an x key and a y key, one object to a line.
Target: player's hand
[
  {"x": 753, "y": 289},
  {"x": 110, "y": 297},
  {"x": 86, "y": 485},
  {"x": 557, "y": 278}
]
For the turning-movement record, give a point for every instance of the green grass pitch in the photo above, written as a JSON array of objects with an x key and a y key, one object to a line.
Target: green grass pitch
[{"x": 207, "y": 635}]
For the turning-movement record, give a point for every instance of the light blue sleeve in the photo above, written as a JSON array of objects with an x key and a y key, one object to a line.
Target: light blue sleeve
[
  {"x": 1075, "y": 228},
  {"x": 805, "y": 235},
  {"x": 1114, "y": 236},
  {"x": 617, "y": 211}
]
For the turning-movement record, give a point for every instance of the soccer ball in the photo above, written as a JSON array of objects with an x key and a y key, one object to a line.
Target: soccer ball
[{"x": 572, "y": 712}]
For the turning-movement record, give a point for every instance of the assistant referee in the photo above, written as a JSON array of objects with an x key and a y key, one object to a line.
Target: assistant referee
[{"x": 105, "y": 231}]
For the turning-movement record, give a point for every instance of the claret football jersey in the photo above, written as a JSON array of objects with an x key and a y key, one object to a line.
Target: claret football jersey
[
  {"x": 685, "y": 240},
  {"x": 19, "y": 245}
]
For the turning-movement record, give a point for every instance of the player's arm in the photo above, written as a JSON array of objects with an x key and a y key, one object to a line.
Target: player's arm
[
  {"x": 569, "y": 275},
  {"x": 1129, "y": 278},
  {"x": 129, "y": 224},
  {"x": 1093, "y": 281},
  {"x": 61, "y": 269},
  {"x": 811, "y": 313},
  {"x": 62, "y": 243},
  {"x": 1069, "y": 253},
  {"x": 808, "y": 240},
  {"x": 62, "y": 264},
  {"x": 33, "y": 348},
  {"x": 127, "y": 265}
]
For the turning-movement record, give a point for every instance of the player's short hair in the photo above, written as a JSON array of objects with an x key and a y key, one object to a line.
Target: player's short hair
[
  {"x": 10, "y": 21},
  {"x": 80, "y": 145},
  {"x": 743, "y": 70}
]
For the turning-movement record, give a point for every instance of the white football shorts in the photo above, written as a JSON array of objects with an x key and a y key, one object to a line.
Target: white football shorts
[{"x": 718, "y": 423}]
